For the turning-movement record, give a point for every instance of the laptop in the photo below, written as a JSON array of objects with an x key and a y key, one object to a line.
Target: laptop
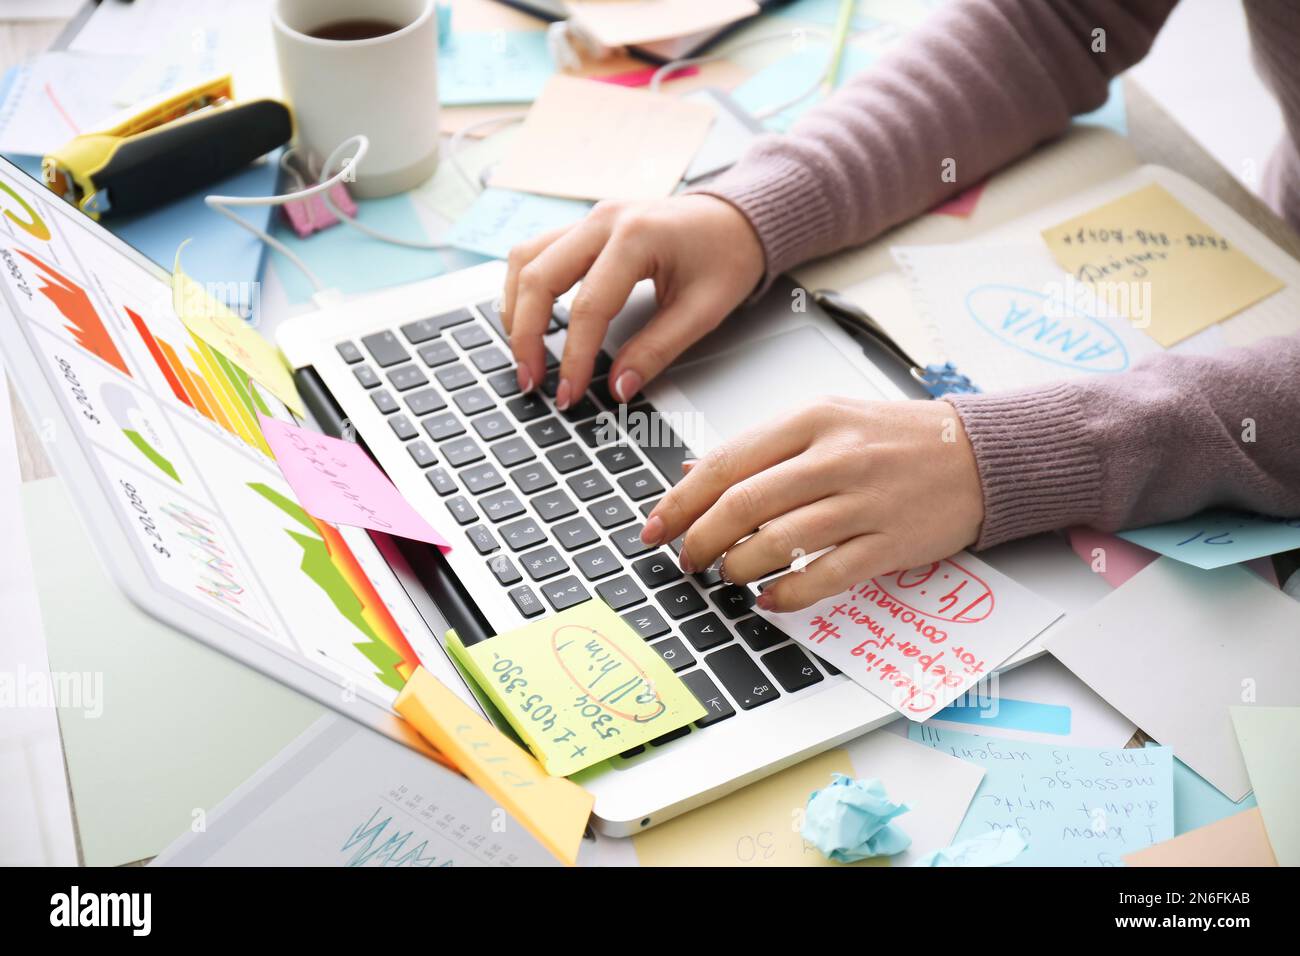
[{"x": 155, "y": 434}]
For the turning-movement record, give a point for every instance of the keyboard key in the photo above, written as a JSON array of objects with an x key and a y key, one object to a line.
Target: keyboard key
[
  {"x": 526, "y": 408},
  {"x": 385, "y": 348},
  {"x": 554, "y": 505},
  {"x": 568, "y": 458},
  {"x": 442, "y": 427},
  {"x": 647, "y": 621},
  {"x": 408, "y": 377},
  {"x": 600, "y": 387},
  {"x": 599, "y": 431},
  {"x": 565, "y": 593},
  {"x": 705, "y": 632},
  {"x": 628, "y": 541},
  {"x": 349, "y": 352},
  {"x": 657, "y": 570},
  {"x": 452, "y": 377},
  {"x": 575, "y": 533},
  {"x": 525, "y": 601},
  {"x": 681, "y": 600},
  {"x": 522, "y": 534},
  {"x": 384, "y": 401},
  {"x": 366, "y": 376},
  {"x": 502, "y": 505},
  {"x": 461, "y": 451},
  {"x": 504, "y": 383},
  {"x": 510, "y": 452},
  {"x": 402, "y": 427},
  {"x": 441, "y": 481},
  {"x": 603, "y": 363},
  {"x": 791, "y": 668},
  {"x": 707, "y": 578},
  {"x": 610, "y": 512},
  {"x": 432, "y": 326},
  {"x": 617, "y": 458},
  {"x": 547, "y": 433},
  {"x": 733, "y": 600},
  {"x": 544, "y": 563},
  {"x": 620, "y": 592},
  {"x": 671, "y": 736},
  {"x": 760, "y": 633},
  {"x": 494, "y": 426},
  {"x": 471, "y": 337},
  {"x": 504, "y": 570},
  {"x": 581, "y": 409},
  {"x": 551, "y": 361},
  {"x": 436, "y": 354},
  {"x": 425, "y": 402},
  {"x": 661, "y": 445},
  {"x": 640, "y": 484},
  {"x": 482, "y": 539},
  {"x": 589, "y": 485},
  {"x": 675, "y": 654},
  {"x": 710, "y": 698},
  {"x": 597, "y": 563},
  {"x": 747, "y": 685},
  {"x": 474, "y": 400},
  {"x": 491, "y": 310},
  {"x": 531, "y": 478},
  {"x": 422, "y": 454},
  {"x": 551, "y": 384},
  {"x": 481, "y": 479},
  {"x": 461, "y": 510},
  {"x": 649, "y": 506}
]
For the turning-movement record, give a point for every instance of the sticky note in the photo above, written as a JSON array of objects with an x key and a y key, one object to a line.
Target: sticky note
[
  {"x": 502, "y": 66},
  {"x": 781, "y": 81},
  {"x": 642, "y": 21},
  {"x": 1197, "y": 803},
  {"x": 1238, "y": 840},
  {"x": 1074, "y": 806},
  {"x": 1217, "y": 538},
  {"x": 338, "y": 482},
  {"x": 588, "y": 140},
  {"x": 1268, "y": 743},
  {"x": 553, "y": 810},
  {"x": 500, "y": 219},
  {"x": 1175, "y": 274},
  {"x": 917, "y": 639},
  {"x": 226, "y": 332},
  {"x": 578, "y": 687}
]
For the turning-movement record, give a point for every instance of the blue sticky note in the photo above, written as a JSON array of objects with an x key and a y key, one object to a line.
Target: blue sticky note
[
  {"x": 1113, "y": 114},
  {"x": 352, "y": 262},
  {"x": 1213, "y": 539},
  {"x": 1074, "y": 806},
  {"x": 503, "y": 66},
  {"x": 1009, "y": 714},
  {"x": 502, "y": 218},
  {"x": 1197, "y": 803},
  {"x": 777, "y": 83}
]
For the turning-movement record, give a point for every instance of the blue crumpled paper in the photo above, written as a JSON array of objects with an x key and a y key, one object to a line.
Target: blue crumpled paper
[
  {"x": 850, "y": 820},
  {"x": 995, "y": 848}
]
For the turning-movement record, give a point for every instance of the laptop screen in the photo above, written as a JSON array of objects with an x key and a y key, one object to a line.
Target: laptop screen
[{"x": 169, "y": 427}]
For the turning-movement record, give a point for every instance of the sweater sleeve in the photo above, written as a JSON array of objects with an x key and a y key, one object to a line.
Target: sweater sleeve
[
  {"x": 981, "y": 83},
  {"x": 1177, "y": 434}
]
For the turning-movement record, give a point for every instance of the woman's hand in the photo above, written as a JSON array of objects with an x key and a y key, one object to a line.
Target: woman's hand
[
  {"x": 891, "y": 485},
  {"x": 702, "y": 254}
]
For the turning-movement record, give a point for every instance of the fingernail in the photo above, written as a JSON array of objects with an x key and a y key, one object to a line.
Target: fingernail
[
  {"x": 628, "y": 384},
  {"x": 562, "y": 395},
  {"x": 524, "y": 378},
  {"x": 766, "y": 601},
  {"x": 688, "y": 464},
  {"x": 686, "y": 563},
  {"x": 653, "y": 532}
]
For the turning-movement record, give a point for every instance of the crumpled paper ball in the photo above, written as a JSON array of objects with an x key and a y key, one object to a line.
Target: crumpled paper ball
[{"x": 850, "y": 820}]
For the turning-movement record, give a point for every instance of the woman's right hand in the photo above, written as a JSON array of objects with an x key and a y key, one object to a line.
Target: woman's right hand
[{"x": 701, "y": 252}]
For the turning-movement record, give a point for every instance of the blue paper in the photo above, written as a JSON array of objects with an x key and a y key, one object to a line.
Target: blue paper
[
  {"x": 1074, "y": 806},
  {"x": 1113, "y": 114},
  {"x": 850, "y": 820},
  {"x": 503, "y": 218},
  {"x": 352, "y": 262},
  {"x": 1197, "y": 803},
  {"x": 777, "y": 83},
  {"x": 995, "y": 848},
  {"x": 499, "y": 67},
  {"x": 1213, "y": 539},
  {"x": 1008, "y": 713}
]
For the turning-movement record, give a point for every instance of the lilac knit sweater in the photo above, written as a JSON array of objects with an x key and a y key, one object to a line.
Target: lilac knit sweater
[{"x": 983, "y": 82}]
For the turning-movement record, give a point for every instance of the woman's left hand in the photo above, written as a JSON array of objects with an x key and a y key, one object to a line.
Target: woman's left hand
[{"x": 890, "y": 485}]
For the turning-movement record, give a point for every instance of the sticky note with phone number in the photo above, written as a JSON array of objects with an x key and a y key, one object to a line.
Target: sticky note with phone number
[{"x": 579, "y": 687}]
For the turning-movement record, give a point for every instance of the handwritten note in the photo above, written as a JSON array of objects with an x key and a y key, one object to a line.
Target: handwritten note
[
  {"x": 553, "y": 809},
  {"x": 1074, "y": 806},
  {"x": 1150, "y": 243},
  {"x": 1217, "y": 538},
  {"x": 500, "y": 219},
  {"x": 579, "y": 687},
  {"x": 917, "y": 639},
  {"x": 503, "y": 66},
  {"x": 337, "y": 482}
]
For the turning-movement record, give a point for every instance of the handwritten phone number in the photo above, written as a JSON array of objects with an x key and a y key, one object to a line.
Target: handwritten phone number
[
  {"x": 535, "y": 706},
  {"x": 1141, "y": 237}
]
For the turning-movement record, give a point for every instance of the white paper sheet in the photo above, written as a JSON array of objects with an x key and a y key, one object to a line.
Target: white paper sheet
[{"x": 56, "y": 96}]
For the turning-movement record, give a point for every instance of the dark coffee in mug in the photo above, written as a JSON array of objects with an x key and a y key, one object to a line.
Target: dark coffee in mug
[{"x": 357, "y": 28}]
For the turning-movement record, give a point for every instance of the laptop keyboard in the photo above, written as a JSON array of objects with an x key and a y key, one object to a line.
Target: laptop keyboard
[{"x": 554, "y": 502}]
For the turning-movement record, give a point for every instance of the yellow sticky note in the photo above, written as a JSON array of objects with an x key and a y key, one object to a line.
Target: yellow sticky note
[
  {"x": 232, "y": 337},
  {"x": 553, "y": 809},
  {"x": 1153, "y": 261},
  {"x": 579, "y": 687}
]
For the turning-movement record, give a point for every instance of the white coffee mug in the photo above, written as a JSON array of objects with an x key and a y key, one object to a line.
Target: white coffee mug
[{"x": 385, "y": 87}]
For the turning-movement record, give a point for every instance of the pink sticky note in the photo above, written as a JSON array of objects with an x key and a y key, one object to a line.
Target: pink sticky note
[
  {"x": 643, "y": 77},
  {"x": 337, "y": 482},
  {"x": 1123, "y": 559},
  {"x": 962, "y": 204}
]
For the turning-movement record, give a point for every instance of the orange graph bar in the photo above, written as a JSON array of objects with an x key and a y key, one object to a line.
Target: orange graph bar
[{"x": 182, "y": 375}]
